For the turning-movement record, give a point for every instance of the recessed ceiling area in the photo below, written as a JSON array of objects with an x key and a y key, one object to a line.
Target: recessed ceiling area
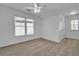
[{"x": 50, "y": 10}]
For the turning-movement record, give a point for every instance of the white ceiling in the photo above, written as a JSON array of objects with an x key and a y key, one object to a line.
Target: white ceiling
[{"x": 51, "y": 9}]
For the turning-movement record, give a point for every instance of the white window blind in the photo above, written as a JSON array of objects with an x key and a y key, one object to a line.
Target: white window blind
[
  {"x": 19, "y": 26},
  {"x": 74, "y": 24},
  {"x": 23, "y": 27},
  {"x": 30, "y": 26}
]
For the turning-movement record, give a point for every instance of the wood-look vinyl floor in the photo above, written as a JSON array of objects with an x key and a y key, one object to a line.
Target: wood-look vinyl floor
[{"x": 42, "y": 47}]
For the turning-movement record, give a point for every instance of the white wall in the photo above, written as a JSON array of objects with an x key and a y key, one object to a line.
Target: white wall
[
  {"x": 61, "y": 27},
  {"x": 7, "y": 26},
  {"x": 51, "y": 28}
]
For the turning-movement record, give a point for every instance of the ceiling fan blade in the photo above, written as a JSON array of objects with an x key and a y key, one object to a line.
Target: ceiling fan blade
[
  {"x": 29, "y": 8},
  {"x": 40, "y": 7},
  {"x": 35, "y": 10},
  {"x": 35, "y": 5}
]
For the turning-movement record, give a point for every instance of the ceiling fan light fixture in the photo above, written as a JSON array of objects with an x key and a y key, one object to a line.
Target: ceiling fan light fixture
[
  {"x": 73, "y": 12},
  {"x": 36, "y": 9}
]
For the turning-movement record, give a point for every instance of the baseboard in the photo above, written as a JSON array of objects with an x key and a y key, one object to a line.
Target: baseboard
[
  {"x": 6, "y": 45},
  {"x": 14, "y": 43},
  {"x": 71, "y": 38}
]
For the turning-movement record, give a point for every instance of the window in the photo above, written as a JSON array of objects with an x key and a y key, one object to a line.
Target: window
[
  {"x": 74, "y": 24},
  {"x": 19, "y": 26},
  {"x": 24, "y": 27},
  {"x": 30, "y": 26}
]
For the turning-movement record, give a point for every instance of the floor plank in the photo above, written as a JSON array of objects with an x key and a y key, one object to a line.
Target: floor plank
[{"x": 42, "y": 47}]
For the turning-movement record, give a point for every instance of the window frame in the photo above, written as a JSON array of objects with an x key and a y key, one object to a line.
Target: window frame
[
  {"x": 25, "y": 26},
  {"x": 15, "y": 26},
  {"x": 30, "y": 21},
  {"x": 75, "y": 25}
]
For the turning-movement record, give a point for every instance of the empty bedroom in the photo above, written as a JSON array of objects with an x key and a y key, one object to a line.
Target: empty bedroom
[{"x": 39, "y": 29}]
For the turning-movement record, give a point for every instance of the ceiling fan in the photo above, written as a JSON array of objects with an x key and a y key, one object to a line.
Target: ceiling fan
[{"x": 36, "y": 9}]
